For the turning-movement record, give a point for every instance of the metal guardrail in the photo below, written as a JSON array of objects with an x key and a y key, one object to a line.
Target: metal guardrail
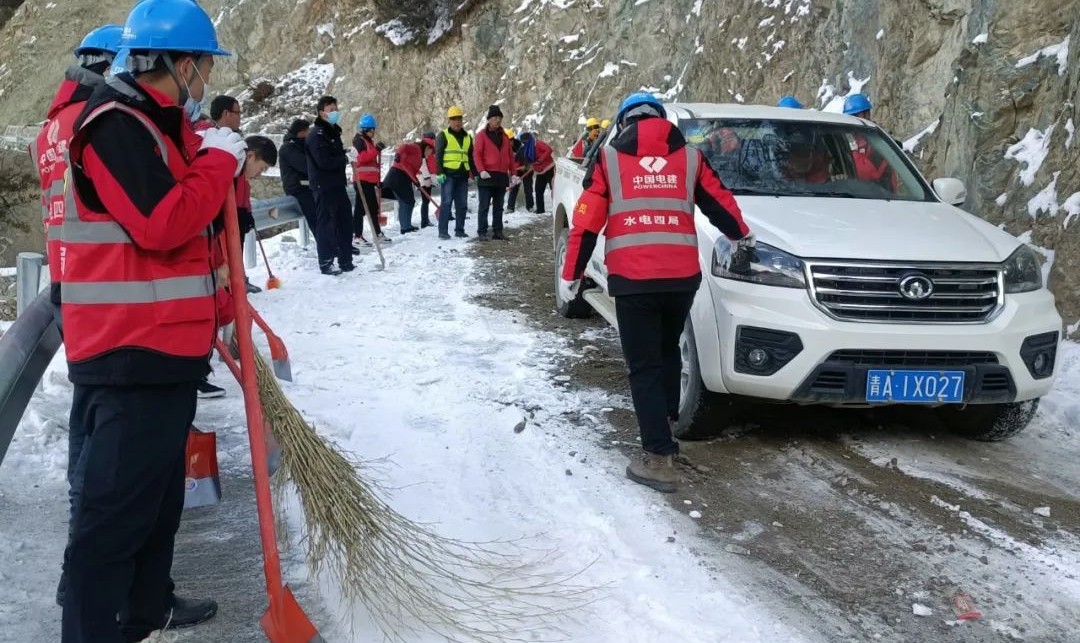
[{"x": 25, "y": 352}]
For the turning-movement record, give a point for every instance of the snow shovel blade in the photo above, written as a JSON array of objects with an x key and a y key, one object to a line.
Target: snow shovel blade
[{"x": 287, "y": 623}]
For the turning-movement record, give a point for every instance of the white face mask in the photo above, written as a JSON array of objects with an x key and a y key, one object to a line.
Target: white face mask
[{"x": 192, "y": 107}]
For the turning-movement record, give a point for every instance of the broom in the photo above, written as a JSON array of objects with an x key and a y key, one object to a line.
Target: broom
[
  {"x": 410, "y": 578},
  {"x": 272, "y": 282}
]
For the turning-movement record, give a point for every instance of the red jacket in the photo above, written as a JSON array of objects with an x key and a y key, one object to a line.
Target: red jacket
[
  {"x": 430, "y": 160},
  {"x": 138, "y": 288},
  {"x": 642, "y": 193},
  {"x": 49, "y": 151},
  {"x": 408, "y": 160},
  {"x": 867, "y": 168},
  {"x": 545, "y": 158},
  {"x": 492, "y": 157},
  {"x": 366, "y": 168}
]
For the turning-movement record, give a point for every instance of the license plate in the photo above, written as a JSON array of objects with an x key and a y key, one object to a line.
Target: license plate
[{"x": 915, "y": 387}]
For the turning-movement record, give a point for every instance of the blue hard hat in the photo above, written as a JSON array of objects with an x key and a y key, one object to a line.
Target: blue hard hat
[
  {"x": 636, "y": 99},
  {"x": 105, "y": 38},
  {"x": 789, "y": 101},
  {"x": 367, "y": 121},
  {"x": 856, "y": 104},
  {"x": 171, "y": 25}
]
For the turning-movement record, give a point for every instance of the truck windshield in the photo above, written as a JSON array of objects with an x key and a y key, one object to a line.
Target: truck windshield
[{"x": 791, "y": 158}]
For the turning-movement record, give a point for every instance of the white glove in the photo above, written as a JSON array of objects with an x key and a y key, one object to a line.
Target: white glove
[
  {"x": 226, "y": 140},
  {"x": 351, "y": 154},
  {"x": 515, "y": 181},
  {"x": 568, "y": 290},
  {"x": 485, "y": 174},
  {"x": 426, "y": 181}
]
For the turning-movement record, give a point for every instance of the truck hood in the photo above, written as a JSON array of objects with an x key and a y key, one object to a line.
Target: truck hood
[{"x": 831, "y": 228}]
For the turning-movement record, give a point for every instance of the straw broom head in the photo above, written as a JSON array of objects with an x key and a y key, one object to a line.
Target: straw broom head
[{"x": 409, "y": 577}]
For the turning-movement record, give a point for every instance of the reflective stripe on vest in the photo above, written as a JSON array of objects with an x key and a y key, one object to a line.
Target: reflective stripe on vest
[
  {"x": 456, "y": 154},
  {"x": 137, "y": 292},
  {"x": 622, "y": 205}
]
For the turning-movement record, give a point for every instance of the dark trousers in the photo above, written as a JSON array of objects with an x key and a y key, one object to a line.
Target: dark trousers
[
  {"x": 543, "y": 181},
  {"x": 490, "y": 197},
  {"x": 370, "y": 194},
  {"x": 306, "y": 200},
  {"x": 129, "y": 509},
  {"x": 649, "y": 329},
  {"x": 402, "y": 189},
  {"x": 425, "y": 205},
  {"x": 512, "y": 194},
  {"x": 333, "y": 226},
  {"x": 455, "y": 192}
]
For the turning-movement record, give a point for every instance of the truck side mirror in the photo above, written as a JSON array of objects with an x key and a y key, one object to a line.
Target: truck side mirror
[{"x": 951, "y": 191}]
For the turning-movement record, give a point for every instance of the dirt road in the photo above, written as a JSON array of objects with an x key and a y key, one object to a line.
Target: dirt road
[{"x": 853, "y": 517}]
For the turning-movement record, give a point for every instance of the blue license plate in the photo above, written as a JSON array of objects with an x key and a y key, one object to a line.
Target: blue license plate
[{"x": 915, "y": 387}]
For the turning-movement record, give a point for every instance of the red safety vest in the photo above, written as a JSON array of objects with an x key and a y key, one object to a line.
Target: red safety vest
[
  {"x": 49, "y": 151},
  {"x": 366, "y": 168},
  {"x": 650, "y": 228},
  {"x": 118, "y": 295}
]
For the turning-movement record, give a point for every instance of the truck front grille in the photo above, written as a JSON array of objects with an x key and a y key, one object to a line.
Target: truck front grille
[{"x": 902, "y": 293}]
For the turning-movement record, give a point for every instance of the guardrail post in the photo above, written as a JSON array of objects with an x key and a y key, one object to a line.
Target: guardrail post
[
  {"x": 27, "y": 278},
  {"x": 250, "y": 261},
  {"x": 305, "y": 234}
]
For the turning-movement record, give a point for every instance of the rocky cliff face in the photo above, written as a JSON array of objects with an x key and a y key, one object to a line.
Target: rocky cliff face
[{"x": 983, "y": 90}]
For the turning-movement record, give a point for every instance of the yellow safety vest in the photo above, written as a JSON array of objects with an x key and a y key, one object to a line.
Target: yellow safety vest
[{"x": 456, "y": 155}]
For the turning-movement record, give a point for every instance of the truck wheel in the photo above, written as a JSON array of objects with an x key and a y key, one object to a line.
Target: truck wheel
[
  {"x": 578, "y": 308},
  {"x": 702, "y": 413},
  {"x": 989, "y": 422}
]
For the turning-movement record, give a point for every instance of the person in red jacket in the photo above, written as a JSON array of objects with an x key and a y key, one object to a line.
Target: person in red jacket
[
  {"x": 428, "y": 179},
  {"x": 543, "y": 168},
  {"x": 94, "y": 54},
  {"x": 642, "y": 192},
  {"x": 138, "y": 303},
  {"x": 401, "y": 178},
  {"x": 367, "y": 169},
  {"x": 495, "y": 167}
]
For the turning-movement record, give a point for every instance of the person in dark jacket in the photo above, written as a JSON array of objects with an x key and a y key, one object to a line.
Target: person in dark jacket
[
  {"x": 524, "y": 156},
  {"x": 454, "y": 162},
  {"x": 642, "y": 193},
  {"x": 294, "y": 177},
  {"x": 139, "y": 310},
  {"x": 327, "y": 161},
  {"x": 495, "y": 167}
]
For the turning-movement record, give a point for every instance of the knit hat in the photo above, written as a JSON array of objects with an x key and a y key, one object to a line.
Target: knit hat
[{"x": 494, "y": 111}]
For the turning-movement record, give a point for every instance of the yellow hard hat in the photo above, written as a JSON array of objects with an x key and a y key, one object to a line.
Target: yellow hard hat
[
  {"x": 509, "y": 132},
  {"x": 605, "y": 124},
  {"x": 454, "y": 112},
  {"x": 592, "y": 122}
]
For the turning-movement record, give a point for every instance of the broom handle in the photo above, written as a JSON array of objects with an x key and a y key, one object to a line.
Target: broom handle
[
  {"x": 253, "y": 408},
  {"x": 269, "y": 273}
]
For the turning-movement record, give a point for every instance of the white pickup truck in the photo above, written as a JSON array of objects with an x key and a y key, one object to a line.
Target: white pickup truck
[{"x": 868, "y": 285}]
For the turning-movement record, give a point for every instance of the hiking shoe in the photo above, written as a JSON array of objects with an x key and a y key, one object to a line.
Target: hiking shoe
[
  {"x": 510, "y": 210},
  {"x": 188, "y": 612},
  {"x": 208, "y": 391},
  {"x": 426, "y": 225},
  {"x": 251, "y": 288},
  {"x": 355, "y": 251},
  {"x": 329, "y": 269},
  {"x": 364, "y": 241},
  {"x": 348, "y": 267},
  {"x": 481, "y": 237},
  {"x": 654, "y": 471},
  {"x": 444, "y": 236},
  {"x": 460, "y": 234},
  {"x": 384, "y": 239},
  {"x": 498, "y": 236}
]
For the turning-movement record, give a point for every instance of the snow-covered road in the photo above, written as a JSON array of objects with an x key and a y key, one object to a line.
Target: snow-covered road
[{"x": 402, "y": 365}]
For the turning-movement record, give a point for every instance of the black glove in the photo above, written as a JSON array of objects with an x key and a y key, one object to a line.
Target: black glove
[
  {"x": 380, "y": 146},
  {"x": 245, "y": 219}
]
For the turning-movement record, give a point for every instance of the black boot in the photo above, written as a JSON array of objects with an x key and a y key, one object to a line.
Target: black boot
[
  {"x": 329, "y": 269},
  {"x": 188, "y": 612}
]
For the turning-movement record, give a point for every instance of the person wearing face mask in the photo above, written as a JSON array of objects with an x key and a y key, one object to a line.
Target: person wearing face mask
[
  {"x": 327, "y": 160},
  {"x": 139, "y": 308}
]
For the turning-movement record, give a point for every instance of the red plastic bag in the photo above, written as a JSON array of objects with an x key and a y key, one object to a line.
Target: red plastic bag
[{"x": 202, "y": 484}]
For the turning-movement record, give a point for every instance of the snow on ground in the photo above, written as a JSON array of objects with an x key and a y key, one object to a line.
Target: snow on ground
[{"x": 402, "y": 365}]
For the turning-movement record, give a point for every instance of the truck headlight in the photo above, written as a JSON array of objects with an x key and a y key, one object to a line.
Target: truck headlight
[
  {"x": 1022, "y": 271},
  {"x": 768, "y": 266}
]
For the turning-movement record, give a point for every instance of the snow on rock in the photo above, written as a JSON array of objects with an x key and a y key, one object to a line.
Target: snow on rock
[
  {"x": 833, "y": 102},
  {"x": 1002, "y": 199},
  {"x": 1045, "y": 200},
  {"x": 610, "y": 69},
  {"x": 695, "y": 514},
  {"x": 921, "y": 610},
  {"x": 696, "y": 8},
  {"x": 397, "y": 32},
  {"x": 1059, "y": 51},
  {"x": 1071, "y": 207},
  {"x": 325, "y": 29},
  {"x": 1030, "y": 151},
  {"x": 1042, "y": 511},
  {"x": 912, "y": 143},
  {"x": 767, "y": 22},
  {"x": 980, "y": 39},
  {"x": 1071, "y": 129},
  {"x": 570, "y": 38},
  {"x": 880, "y": 34}
]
